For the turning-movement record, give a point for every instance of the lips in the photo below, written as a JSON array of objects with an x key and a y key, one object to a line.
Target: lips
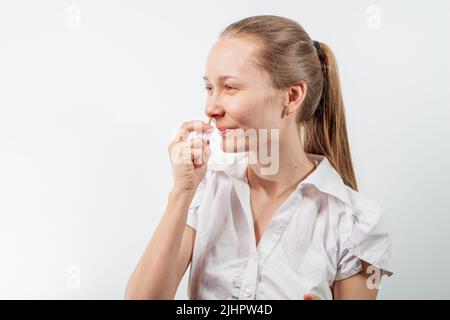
[{"x": 224, "y": 130}]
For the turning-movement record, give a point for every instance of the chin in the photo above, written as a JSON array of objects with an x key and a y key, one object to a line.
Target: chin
[{"x": 233, "y": 145}]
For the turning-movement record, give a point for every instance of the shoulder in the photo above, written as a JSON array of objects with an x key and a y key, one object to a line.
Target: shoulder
[
  {"x": 350, "y": 208},
  {"x": 363, "y": 231},
  {"x": 345, "y": 205},
  {"x": 360, "y": 224},
  {"x": 362, "y": 214}
]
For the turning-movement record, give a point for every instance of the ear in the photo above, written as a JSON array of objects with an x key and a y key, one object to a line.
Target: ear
[{"x": 295, "y": 96}]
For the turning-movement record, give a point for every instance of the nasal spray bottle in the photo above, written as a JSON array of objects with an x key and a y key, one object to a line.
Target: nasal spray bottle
[{"x": 198, "y": 133}]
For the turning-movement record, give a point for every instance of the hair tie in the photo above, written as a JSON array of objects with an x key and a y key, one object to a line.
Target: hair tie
[{"x": 317, "y": 46}]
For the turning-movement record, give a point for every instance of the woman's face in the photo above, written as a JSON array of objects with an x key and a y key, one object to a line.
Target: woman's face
[{"x": 239, "y": 95}]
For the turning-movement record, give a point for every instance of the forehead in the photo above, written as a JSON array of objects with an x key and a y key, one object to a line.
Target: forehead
[{"x": 232, "y": 56}]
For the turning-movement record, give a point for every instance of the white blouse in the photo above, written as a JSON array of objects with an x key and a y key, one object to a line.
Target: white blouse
[{"x": 316, "y": 237}]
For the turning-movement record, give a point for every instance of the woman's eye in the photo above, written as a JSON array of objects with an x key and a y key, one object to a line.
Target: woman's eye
[{"x": 227, "y": 88}]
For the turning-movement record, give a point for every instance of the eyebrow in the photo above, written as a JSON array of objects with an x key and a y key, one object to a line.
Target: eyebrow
[{"x": 221, "y": 77}]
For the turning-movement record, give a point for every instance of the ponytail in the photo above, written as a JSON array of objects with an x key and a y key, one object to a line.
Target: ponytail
[{"x": 326, "y": 132}]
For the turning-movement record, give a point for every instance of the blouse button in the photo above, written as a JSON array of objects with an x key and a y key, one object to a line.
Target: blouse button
[
  {"x": 349, "y": 244},
  {"x": 236, "y": 282},
  {"x": 247, "y": 292},
  {"x": 356, "y": 251}
]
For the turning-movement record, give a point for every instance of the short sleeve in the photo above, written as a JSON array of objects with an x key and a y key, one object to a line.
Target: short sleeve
[
  {"x": 363, "y": 235},
  {"x": 192, "y": 216}
]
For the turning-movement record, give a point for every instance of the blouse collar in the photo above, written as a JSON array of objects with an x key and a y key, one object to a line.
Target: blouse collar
[{"x": 325, "y": 177}]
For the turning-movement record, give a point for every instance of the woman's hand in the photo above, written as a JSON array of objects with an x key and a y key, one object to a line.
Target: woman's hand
[
  {"x": 189, "y": 158},
  {"x": 310, "y": 296}
]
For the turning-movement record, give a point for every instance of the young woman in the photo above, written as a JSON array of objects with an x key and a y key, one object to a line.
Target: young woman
[{"x": 301, "y": 232}]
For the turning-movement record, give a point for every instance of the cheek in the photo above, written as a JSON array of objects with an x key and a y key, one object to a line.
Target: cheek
[
  {"x": 272, "y": 112},
  {"x": 253, "y": 111},
  {"x": 242, "y": 110}
]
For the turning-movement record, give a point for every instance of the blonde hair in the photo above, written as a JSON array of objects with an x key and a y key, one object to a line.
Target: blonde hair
[{"x": 288, "y": 55}]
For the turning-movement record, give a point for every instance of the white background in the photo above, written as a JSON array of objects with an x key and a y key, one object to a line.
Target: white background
[{"x": 91, "y": 93}]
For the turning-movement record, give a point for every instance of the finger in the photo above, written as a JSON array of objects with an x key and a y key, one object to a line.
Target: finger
[
  {"x": 196, "y": 143},
  {"x": 206, "y": 153},
  {"x": 181, "y": 135},
  {"x": 201, "y": 155},
  {"x": 198, "y": 156},
  {"x": 188, "y": 152},
  {"x": 181, "y": 153},
  {"x": 181, "y": 150},
  {"x": 193, "y": 151},
  {"x": 197, "y": 125},
  {"x": 309, "y": 296},
  {"x": 190, "y": 126}
]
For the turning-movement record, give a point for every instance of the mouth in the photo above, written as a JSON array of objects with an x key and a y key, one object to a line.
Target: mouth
[{"x": 223, "y": 131}]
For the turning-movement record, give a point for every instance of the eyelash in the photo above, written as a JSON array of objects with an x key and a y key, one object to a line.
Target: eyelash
[{"x": 228, "y": 87}]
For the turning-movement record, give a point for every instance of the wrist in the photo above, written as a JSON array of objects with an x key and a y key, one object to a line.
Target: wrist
[{"x": 181, "y": 193}]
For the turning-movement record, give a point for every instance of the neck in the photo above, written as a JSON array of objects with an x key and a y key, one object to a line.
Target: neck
[{"x": 294, "y": 166}]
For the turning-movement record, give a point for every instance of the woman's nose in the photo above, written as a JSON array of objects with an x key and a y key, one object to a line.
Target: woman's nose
[
  {"x": 214, "y": 113},
  {"x": 214, "y": 109}
]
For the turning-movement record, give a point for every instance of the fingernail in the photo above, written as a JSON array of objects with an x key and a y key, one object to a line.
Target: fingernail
[{"x": 207, "y": 141}]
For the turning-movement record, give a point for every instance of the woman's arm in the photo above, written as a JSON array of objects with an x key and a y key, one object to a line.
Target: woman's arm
[
  {"x": 167, "y": 255},
  {"x": 169, "y": 251},
  {"x": 361, "y": 286}
]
